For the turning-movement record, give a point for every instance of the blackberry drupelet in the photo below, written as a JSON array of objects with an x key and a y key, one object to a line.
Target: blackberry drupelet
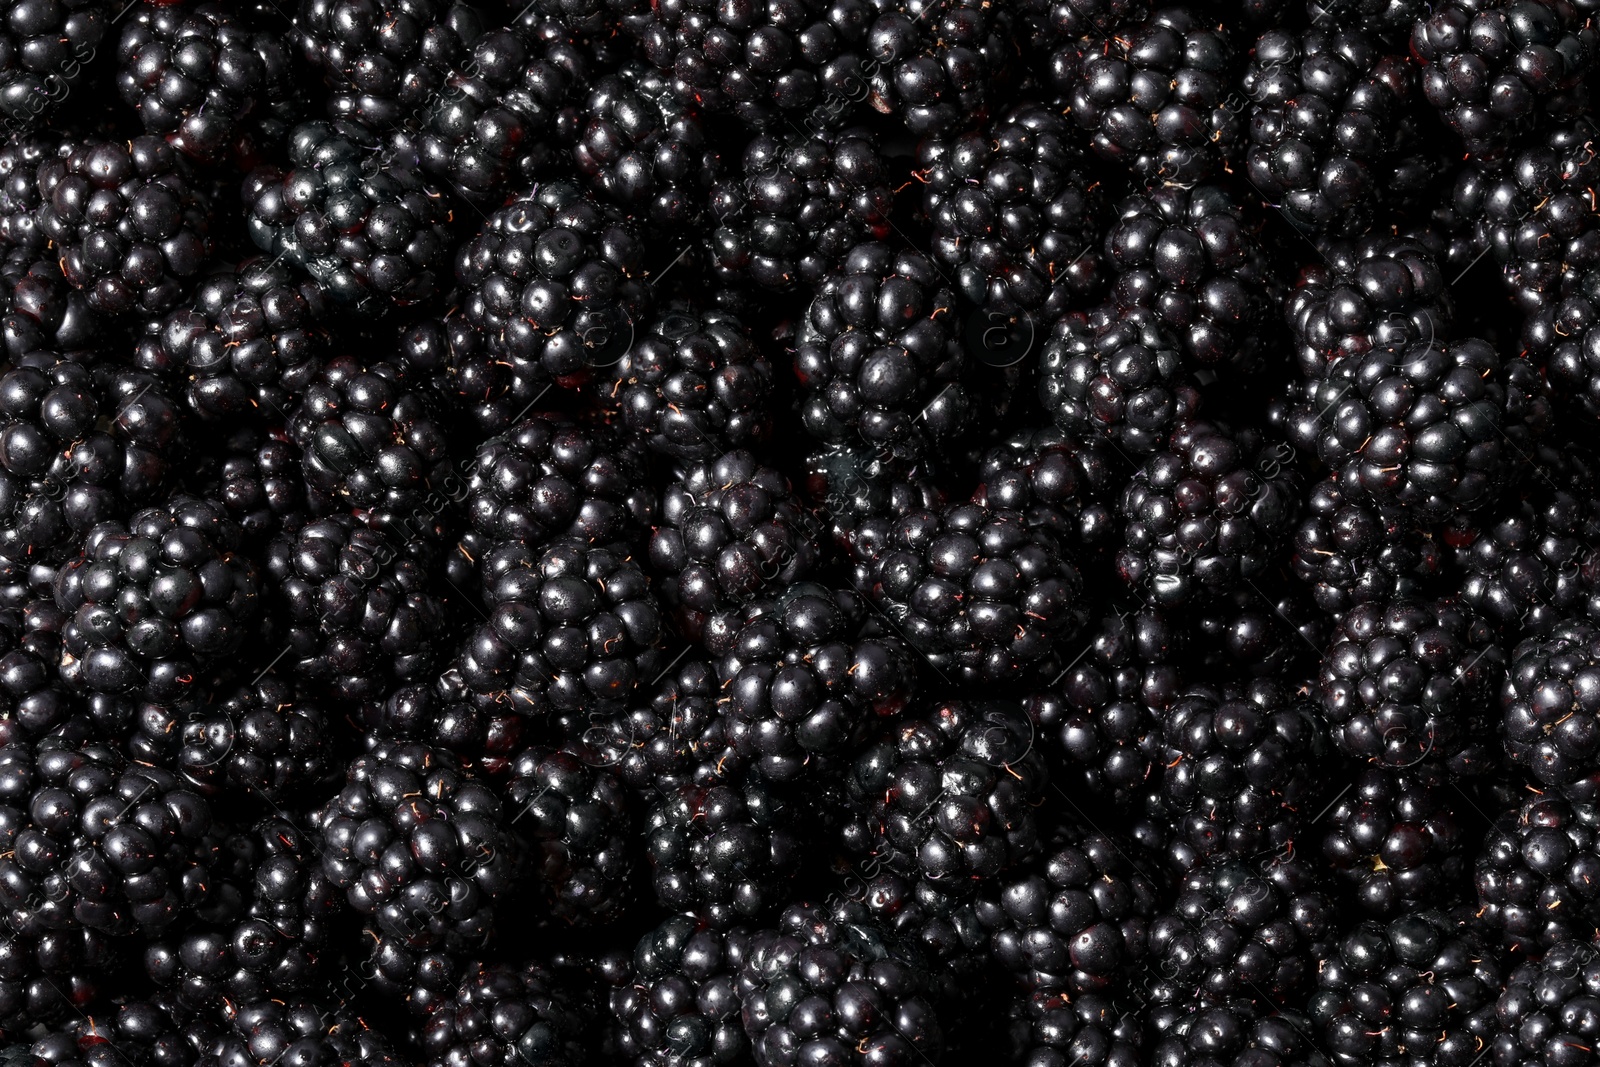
[
  {"x": 20, "y": 160},
  {"x": 678, "y": 1003},
  {"x": 33, "y": 702},
  {"x": 1398, "y": 839},
  {"x": 264, "y": 739},
  {"x": 1351, "y": 555},
  {"x": 511, "y": 1015},
  {"x": 136, "y": 1032},
  {"x": 297, "y": 1030},
  {"x": 1541, "y": 1016},
  {"x": 255, "y": 474},
  {"x": 483, "y": 734},
  {"x": 1234, "y": 1033},
  {"x": 673, "y": 734},
  {"x": 1405, "y": 680},
  {"x": 1055, "y": 482},
  {"x": 45, "y": 54},
  {"x": 849, "y": 483},
  {"x": 131, "y": 229},
  {"x": 360, "y": 220},
  {"x": 1538, "y": 876},
  {"x": 156, "y": 601},
  {"x": 1550, "y": 703},
  {"x": 577, "y": 819}
]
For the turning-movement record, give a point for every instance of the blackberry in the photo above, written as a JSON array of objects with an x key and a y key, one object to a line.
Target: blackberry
[
  {"x": 361, "y": 221},
  {"x": 976, "y": 590},
  {"x": 814, "y": 989},
  {"x": 482, "y": 734},
  {"x": 937, "y": 73},
  {"x": 850, "y": 483},
  {"x": 1537, "y": 876},
  {"x": 1117, "y": 373},
  {"x": 1550, "y": 728},
  {"x": 297, "y": 1030},
  {"x": 45, "y": 53},
  {"x": 949, "y": 795},
  {"x": 33, "y": 702},
  {"x": 155, "y": 601},
  {"x": 502, "y": 1014},
  {"x": 1055, "y": 482},
  {"x": 249, "y": 344},
  {"x": 1397, "y": 839},
  {"x": 799, "y": 203},
  {"x": 1405, "y": 680},
  {"x": 553, "y": 281},
  {"x": 421, "y": 849},
  {"x": 729, "y": 530},
  {"x": 1351, "y": 555},
  {"x": 132, "y": 1031},
  {"x": 692, "y": 385},
  {"x": 131, "y": 230},
  {"x": 257, "y": 477},
  {"x": 385, "y": 60},
  {"x": 264, "y": 738},
  {"x": 80, "y": 444},
  {"x": 1154, "y": 95},
  {"x": 1494, "y": 70},
  {"x": 679, "y": 1001},
  {"x": 672, "y": 735},
  {"x": 1413, "y": 984},
  {"x": 803, "y": 676},
  {"x": 1539, "y": 1016},
  {"x": 1205, "y": 514},
  {"x": 577, "y": 818},
  {"x": 20, "y": 200},
  {"x": 1188, "y": 255},
  {"x": 359, "y": 611},
  {"x": 1234, "y": 1033},
  {"x": 1052, "y": 1028},
  {"x": 196, "y": 74}
]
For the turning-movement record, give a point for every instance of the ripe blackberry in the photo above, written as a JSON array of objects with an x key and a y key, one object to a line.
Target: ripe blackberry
[
  {"x": 361, "y": 221},
  {"x": 1413, "y": 985},
  {"x": 1055, "y": 482},
  {"x": 483, "y": 734},
  {"x": 1205, "y": 514},
  {"x": 849, "y": 483},
  {"x": 1333, "y": 132},
  {"x": 936, "y": 74},
  {"x": 510, "y": 1015},
  {"x": 256, "y": 475},
  {"x": 358, "y": 609},
  {"x": 671, "y": 735},
  {"x": 978, "y": 591},
  {"x": 1235, "y": 1033},
  {"x": 572, "y": 626},
  {"x": 815, "y": 990},
  {"x": 384, "y": 60},
  {"x": 797, "y": 206},
  {"x": 131, "y": 230},
  {"x": 45, "y": 53},
  {"x": 264, "y": 738},
  {"x": 725, "y": 852},
  {"x": 1549, "y": 707},
  {"x": 420, "y": 848},
  {"x": 1119, "y": 373},
  {"x": 1076, "y": 922},
  {"x": 1352, "y": 555},
  {"x": 33, "y": 702},
  {"x": 1187, "y": 255},
  {"x": 1540, "y": 1015},
  {"x": 554, "y": 282},
  {"x": 1538, "y": 875},
  {"x": 80, "y": 444},
  {"x": 803, "y": 676},
  {"x": 196, "y": 74},
  {"x": 20, "y": 161},
  {"x": 577, "y": 819},
  {"x": 1496, "y": 70},
  {"x": 691, "y": 385},
  {"x": 124, "y": 1032},
  {"x": 156, "y": 601},
  {"x": 1405, "y": 680},
  {"x": 1397, "y": 839},
  {"x": 1431, "y": 429},
  {"x": 678, "y": 1002},
  {"x": 297, "y": 1030},
  {"x": 1376, "y": 293},
  {"x": 249, "y": 344},
  {"x": 949, "y": 795}
]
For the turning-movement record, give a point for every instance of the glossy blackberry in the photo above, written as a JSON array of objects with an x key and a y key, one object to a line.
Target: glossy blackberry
[
  {"x": 1497, "y": 70},
  {"x": 371, "y": 444},
  {"x": 358, "y": 609},
  {"x": 672, "y": 734},
  {"x": 980, "y": 592},
  {"x": 1538, "y": 875},
  {"x": 1235, "y": 1033},
  {"x": 949, "y": 795},
  {"x": 299, "y": 1029},
  {"x": 1205, "y": 514},
  {"x": 1561, "y": 338},
  {"x": 804, "y": 676},
  {"x": 483, "y": 734},
  {"x": 1117, "y": 373},
  {"x": 1548, "y": 706},
  {"x": 1374, "y": 293},
  {"x": 33, "y": 702},
  {"x": 249, "y": 344},
  {"x": 1429, "y": 430},
  {"x": 20, "y": 160},
  {"x": 726, "y": 852},
  {"x": 797, "y": 204},
  {"x": 420, "y": 848},
  {"x": 256, "y": 475},
  {"x": 264, "y": 739},
  {"x": 572, "y": 626},
  {"x": 691, "y": 385},
  {"x": 156, "y": 601},
  {"x": 678, "y": 1002},
  {"x": 80, "y": 444},
  {"x": 1405, "y": 680},
  {"x": 511, "y": 1015},
  {"x": 938, "y": 65},
  {"x": 1398, "y": 839},
  {"x": 1352, "y": 555},
  {"x": 578, "y": 820},
  {"x": 1189, "y": 255},
  {"x": 1055, "y": 481},
  {"x": 384, "y": 60},
  {"x": 554, "y": 281},
  {"x": 127, "y": 1031},
  {"x": 45, "y": 54},
  {"x": 196, "y": 74},
  {"x": 729, "y": 530},
  {"x": 848, "y": 483},
  {"x": 1540, "y": 1015},
  {"x": 815, "y": 989},
  {"x": 1334, "y": 136},
  {"x": 131, "y": 229}
]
